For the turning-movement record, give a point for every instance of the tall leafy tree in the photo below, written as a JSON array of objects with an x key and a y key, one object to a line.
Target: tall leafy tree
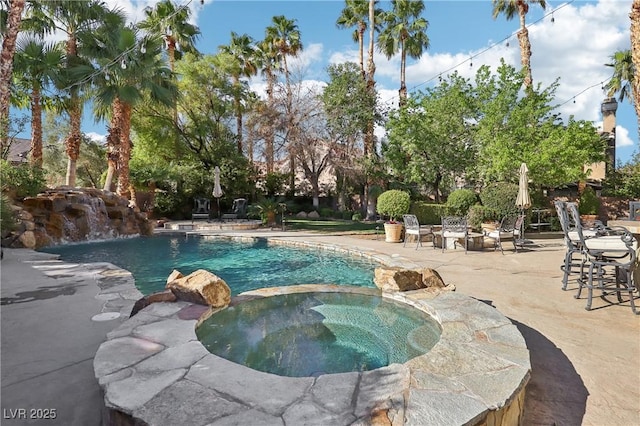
[
  {"x": 240, "y": 62},
  {"x": 119, "y": 89},
  {"x": 621, "y": 81},
  {"x": 510, "y": 9},
  {"x": 348, "y": 107},
  {"x": 172, "y": 24},
  {"x": 284, "y": 34},
  {"x": 75, "y": 19},
  {"x": 431, "y": 140},
  {"x": 9, "y": 37},
  {"x": 37, "y": 65},
  {"x": 404, "y": 32},
  {"x": 512, "y": 129}
]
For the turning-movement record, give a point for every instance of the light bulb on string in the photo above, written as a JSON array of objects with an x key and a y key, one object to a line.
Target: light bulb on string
[
  {"x": 143, "y": 49},
  {"x": 470, "y": 62},
  {"x": 552, "y": 18},
  {"x": 123, "y": 64},
  {"x": 106, "y": 76},
  {"x": 507, "y": 43},
  {"x": 169, "y": 32}
]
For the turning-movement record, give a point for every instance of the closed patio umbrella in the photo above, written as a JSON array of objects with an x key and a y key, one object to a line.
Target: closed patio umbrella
[
  {"x": 523, "y": 200},
  {"x": 217, "y": 190}
]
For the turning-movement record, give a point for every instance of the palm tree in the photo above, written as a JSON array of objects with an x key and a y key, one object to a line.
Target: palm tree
[
  {"x": 511, "y": 8},
  {"x": 268, "y": 61},
  {"x": 242, "y": 63},
  {"x": 10, "y": 35},
  {"x": 142, "y": 72},
  {"x": 173, "y": 26},
  {"x": 355, "y": 14},
  {"x": 285, "y": 37},
  {"x": 622, "y": 79},
  {"x": 405, "y": 32},
  {"x": 76, "y": 19},
  {"x": 634, "y": 33},
  {"x": 36, "y": 66}
]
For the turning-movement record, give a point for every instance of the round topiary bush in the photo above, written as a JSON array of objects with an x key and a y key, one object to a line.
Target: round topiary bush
[
  {"x": 394, "y": 203},
  {"x": 501, "y": 198},
  {"x": 461, "y": 200}
]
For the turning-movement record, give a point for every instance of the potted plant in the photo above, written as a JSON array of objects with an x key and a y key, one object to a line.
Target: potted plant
[
  {"x": 588, "y": 206},
  {"x": 393, "y": 203},
  {"x": 268, "y": 208}
]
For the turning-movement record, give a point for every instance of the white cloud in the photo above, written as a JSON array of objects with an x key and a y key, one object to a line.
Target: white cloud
[
  {"x": 622, "y": 137},
  {"x": 97, "y": 137}
]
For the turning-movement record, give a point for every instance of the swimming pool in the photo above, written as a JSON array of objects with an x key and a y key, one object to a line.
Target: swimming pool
[{"x": 243, "y": 265}]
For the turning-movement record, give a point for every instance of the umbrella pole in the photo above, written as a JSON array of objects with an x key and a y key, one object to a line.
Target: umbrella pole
[{"x": 219, "y": 217}]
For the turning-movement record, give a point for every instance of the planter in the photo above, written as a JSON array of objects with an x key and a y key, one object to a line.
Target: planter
[
  {"x": 393, "y": 232},
  {"x": 588, "y": 220}
]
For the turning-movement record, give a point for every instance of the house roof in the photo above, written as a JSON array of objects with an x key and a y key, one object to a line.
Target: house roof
[{"x": 19, "y": 150}]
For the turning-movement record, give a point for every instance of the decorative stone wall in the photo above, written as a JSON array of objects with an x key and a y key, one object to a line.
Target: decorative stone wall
[{"x": 66, "y": 214}]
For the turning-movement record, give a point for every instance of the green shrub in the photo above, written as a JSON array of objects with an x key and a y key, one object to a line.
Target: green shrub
[
  {"x": 460, "y": 200},
  {"x": 428, "y": 213},
  {"x": 501, "y": 198},
  {"x": 394, "y": 203},
  {"x": 7, "y": 217},
  {"x": 326, "y": 212},
  {"x": 589, "y": 202},
  {"x": 21, "y": 180},
  {"x": 479, "y": 214},
  {"x": 347, "y": 214}
]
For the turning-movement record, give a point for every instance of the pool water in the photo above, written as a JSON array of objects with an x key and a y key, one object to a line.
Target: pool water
[
  {"x": 310, "y": 334},
  {"x": 244, "y": 266}
]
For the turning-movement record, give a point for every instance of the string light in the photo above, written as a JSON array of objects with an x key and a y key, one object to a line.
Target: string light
[
  {"x": 123, "y": 64},
  {"x": 115, "y": 61},
  {"x": 143, "y": 49}
]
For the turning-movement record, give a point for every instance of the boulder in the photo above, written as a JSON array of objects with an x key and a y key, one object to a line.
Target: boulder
[
  {"x": 301, "y": 215},
  {"x": 313, "y": 215},
  {"x": 397, "y": 279},
  {"x": 201, "y": 287}
]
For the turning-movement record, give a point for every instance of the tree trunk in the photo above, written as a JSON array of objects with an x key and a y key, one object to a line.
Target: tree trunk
[
  {"x": 269, "y": 138},
  {"x": 36, "y": 129},
  {"x": 635, "y": 55},
  {"x": 369, "y": 147},
  {"x": 402, "y": 99},
  {"x": 113, "y": 143},
  {"x": 361, "y": 29},
  {"x": 72, "y": 143},
  {"x": 525, "y": 49},
  {"x": 125, "y": 152},
  {"x": 152, "y": 197},
  {"x": 6, "y": 66}
]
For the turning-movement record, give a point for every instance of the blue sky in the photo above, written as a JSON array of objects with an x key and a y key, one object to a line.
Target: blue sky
[{"x": 574, "y": 47}]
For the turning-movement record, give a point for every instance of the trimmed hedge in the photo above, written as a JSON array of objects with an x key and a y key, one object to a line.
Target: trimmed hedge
[
  {"x": 500, "y": 197},
  {"x": 461, "y": 200},
  {"x": 429, "y": 213}
]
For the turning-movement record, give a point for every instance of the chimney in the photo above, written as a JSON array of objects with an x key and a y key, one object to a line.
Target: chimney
[{"x": 609, "y": 107}]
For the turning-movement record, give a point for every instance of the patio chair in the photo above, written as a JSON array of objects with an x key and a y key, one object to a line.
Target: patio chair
[
  {"x": 455, "y": 227},
  {"x": 509, "y": 229},
  {"x": 201, "y": 209},
  {"x": 238, "y": 210},
  {"x": 412, "y": 227},
  {"x": 612, "y": 257}
]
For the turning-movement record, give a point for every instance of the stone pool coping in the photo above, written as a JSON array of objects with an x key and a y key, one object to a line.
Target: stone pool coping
[{"x": 152, "y": 367}]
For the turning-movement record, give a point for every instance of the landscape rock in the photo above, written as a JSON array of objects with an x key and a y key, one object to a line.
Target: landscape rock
[
  {"x": 398, "y": 279},
  {"x": 313, "y": 215},
  {"x": 66, "y": 214},
  {"x": 201, "y": 287},
  {"x": 301, "y": 215}
]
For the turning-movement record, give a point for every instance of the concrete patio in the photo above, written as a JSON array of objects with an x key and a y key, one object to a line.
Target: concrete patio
[{"x": 585, "y": 364}]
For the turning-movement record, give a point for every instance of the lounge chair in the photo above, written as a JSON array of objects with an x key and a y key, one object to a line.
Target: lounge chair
[{"x": 201, "y": 209}]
